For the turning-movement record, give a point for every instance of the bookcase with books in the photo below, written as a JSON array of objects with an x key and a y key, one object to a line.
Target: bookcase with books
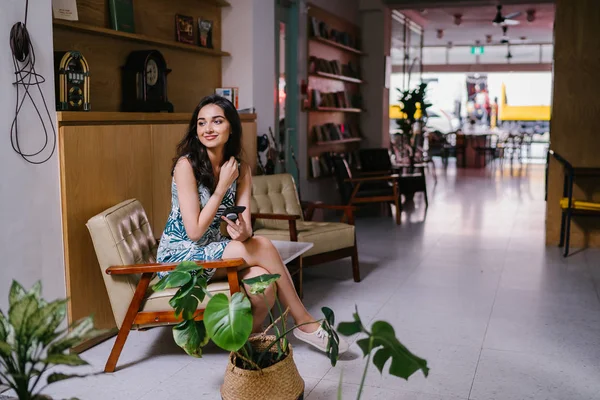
[{"x": 334, "y": 102}]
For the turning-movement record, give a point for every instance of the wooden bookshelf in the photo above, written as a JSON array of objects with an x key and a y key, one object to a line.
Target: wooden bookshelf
[
  {"x": 134, "y": 37},
  {"x": 336, "y": 109},
  {"x": 195, "y": 71},
  {"x": 328, "y": 79},
  {"x": 337, "y": 77},
  {"x": 336, "y": 44}
]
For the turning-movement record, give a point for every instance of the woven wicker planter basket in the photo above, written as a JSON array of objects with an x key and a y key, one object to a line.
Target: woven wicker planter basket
[{"x": 277, "y": 382}]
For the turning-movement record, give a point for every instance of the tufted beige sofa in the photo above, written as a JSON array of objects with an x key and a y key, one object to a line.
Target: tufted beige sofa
[
  {"x": 278, "y": 214},
  {"x": 126, "y": 251}
]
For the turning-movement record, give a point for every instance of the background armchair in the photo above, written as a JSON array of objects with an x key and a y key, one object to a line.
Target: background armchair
[
  {"x": 278, "y": 215},
  {"x": 126, "y": 251}
]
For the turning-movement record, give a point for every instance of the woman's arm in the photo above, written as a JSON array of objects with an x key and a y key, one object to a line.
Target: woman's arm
[
  {"x": 195, "y": 220},
  {"x": 243, "y": 195}
]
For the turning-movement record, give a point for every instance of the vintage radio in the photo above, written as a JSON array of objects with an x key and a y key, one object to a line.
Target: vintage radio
[{"x": 72, "y": 81}]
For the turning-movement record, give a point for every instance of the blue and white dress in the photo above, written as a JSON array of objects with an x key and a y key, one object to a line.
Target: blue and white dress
[{"x": 176, "y": 246}]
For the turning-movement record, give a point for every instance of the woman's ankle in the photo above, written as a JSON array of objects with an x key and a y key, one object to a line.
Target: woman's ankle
[{"x": 309, "y": 327}]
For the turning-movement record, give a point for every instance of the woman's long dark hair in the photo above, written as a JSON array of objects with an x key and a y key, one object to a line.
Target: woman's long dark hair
[{"x": 196, "y": 152}]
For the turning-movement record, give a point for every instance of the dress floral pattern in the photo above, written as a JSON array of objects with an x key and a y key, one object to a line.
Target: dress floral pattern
[{"x": 176, "y": 246}]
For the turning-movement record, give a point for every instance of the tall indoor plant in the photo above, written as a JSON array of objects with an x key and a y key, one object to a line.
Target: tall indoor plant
[
  {"x": 228, "y": 323},
  {"x": 31, "y": 341}
]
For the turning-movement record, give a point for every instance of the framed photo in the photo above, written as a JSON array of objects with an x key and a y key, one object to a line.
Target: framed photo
[
  {"x": 205, "y": 33},
  {"x": 184, "y": 29}
]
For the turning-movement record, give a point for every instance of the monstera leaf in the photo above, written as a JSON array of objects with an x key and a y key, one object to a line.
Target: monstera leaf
[
  {"x": 191, "y": 336},
  {"x": 228, "y": 321},
  {"x": 259, "y": 284}
]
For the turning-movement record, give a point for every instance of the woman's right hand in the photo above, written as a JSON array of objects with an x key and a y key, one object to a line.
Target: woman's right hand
[{"x": 228, "y": 174}]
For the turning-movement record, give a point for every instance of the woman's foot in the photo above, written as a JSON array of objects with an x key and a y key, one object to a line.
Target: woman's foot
[{"x": 319, "y": 339}]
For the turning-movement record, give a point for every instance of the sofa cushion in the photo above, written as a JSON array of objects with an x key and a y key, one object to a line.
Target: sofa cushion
[
  {"x": 159, "y": 301},
  {"x": 274, "y": 194},
  {"x": 326, "y": 236}
]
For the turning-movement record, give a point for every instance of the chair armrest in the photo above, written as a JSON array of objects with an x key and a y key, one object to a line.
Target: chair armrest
[
  {"x": 284, "y": 217},
  {"x": 165, "y": 267},
  {"x": 310, "y": 207},
  {"x": 374, "y": 178}
]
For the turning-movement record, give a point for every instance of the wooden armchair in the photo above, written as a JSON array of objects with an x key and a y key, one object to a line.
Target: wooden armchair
[
  {"x": 278, "y": 214},
  {"x": 126, "y": 251},
  {"x": 378, "y": 188}
]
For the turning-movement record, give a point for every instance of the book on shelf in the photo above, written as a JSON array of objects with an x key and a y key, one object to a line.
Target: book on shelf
[
  {"x": 121, "y": 15},
  {"x": 321, "y": 166},
  {"x": 323, "y": 30},
  {"x": 334, "y": 67},
  {"x": 341, "y": 99},
  {"x": 332, "y": 132},
  {"x": 230, "y": 93}
]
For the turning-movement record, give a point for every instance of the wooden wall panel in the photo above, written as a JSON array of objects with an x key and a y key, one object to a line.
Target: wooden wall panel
[
  {"x": 575, "y": 111},
  {"x": 164, "y": 141},
  {"x": 101, "y": 166}
]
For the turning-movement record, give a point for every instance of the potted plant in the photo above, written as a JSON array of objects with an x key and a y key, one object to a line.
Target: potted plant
[
  {"x": 262, "y": 366},
  {"x": 31, "y": 341},
  {"x": 414, "y": 111}
]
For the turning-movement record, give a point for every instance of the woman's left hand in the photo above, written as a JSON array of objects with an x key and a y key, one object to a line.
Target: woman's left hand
[{"x": 237, "y": 230}]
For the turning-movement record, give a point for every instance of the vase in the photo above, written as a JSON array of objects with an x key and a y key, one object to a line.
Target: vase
[{"x": 280, "y": 381}]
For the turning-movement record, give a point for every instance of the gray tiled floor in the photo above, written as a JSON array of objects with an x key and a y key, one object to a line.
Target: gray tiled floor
[{"x": 471, "y": 288}]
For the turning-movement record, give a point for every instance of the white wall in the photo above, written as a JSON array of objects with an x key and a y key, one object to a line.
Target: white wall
[
  {"x": 248, "y": 29},
  {"x": 30, "y": 220}
]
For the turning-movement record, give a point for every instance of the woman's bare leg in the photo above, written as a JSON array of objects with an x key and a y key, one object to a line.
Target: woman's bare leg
[{"x": 259, "y": 251}]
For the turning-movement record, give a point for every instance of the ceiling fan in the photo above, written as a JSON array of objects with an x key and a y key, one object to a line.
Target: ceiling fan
[
  {"x": 504, "y": 20},
  {"x": 505, "y": 39}
]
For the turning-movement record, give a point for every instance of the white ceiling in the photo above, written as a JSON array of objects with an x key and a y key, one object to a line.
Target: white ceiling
[{"x": 477, "y": 23}]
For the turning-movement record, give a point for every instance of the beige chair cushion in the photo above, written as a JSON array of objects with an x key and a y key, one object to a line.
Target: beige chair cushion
[
  {"x": 326, "y": 236},
  {"x": 274, "y": 194},
  {"x": 159, "y": 301}
]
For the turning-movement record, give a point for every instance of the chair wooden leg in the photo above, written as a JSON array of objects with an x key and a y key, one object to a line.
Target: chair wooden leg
[
  {"x": 567, "y": 235},
  {"x": 132, "y": 311},
  {"x": 355, "y": 265},
  {"x": 563, "y": 219}
]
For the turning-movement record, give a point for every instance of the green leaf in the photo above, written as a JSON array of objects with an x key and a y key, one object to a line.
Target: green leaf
[
  {"x": 5, "y": 349},
  {"x": 38, "y": 322},
  {"x": 64, "y": 344},
  {"x": 380, "y": 358},
  {"x": 174, "y": 279},
  {"x": 64, "y": 359},
  {"x": 198, "y": 293},
  {"x": 191, "y": 337},
  {"x": 187, "y": 266},
  {"x": 3, "y": 326},
  {"x": 182, "y": 292},
  {"x": 365, "y": 346},
  {"x": 49, "y": 333},
  {"x": 81, "y": 328},
  {"x": 259, "y": 284},
  {"x": 188, "y": 307},
  {"x": 57, "y": 376},
  {"x": 17, "y": 292},
  {"x": 36, "y": 290},
  {"x": 20, "y": 312},
  {"x": 404, "y": 363},
  {"x": 329, "y": 315},
  {"x": 228, "y": 321},
  {"x": 349, "y": 328}
]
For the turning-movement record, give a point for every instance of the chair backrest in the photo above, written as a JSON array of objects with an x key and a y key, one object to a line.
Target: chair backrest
[
  {"x": 122, "y": 236},
  {"x": 274, "y": 194},
  {"x": 342, "y": 172},
  {"x": 375, "y": 160}
]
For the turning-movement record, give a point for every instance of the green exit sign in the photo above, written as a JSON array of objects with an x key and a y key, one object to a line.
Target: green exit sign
[{"x": 477, "y": 50}]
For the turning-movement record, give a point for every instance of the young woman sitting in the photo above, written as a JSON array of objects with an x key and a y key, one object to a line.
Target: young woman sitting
[{"x": 207, "y": 178}]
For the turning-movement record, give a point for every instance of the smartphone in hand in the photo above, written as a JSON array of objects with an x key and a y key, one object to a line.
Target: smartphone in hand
[{"x": 231, "y": 213}]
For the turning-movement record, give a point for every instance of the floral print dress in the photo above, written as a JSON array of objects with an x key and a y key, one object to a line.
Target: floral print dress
[{"x": 176, "y": 246}]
